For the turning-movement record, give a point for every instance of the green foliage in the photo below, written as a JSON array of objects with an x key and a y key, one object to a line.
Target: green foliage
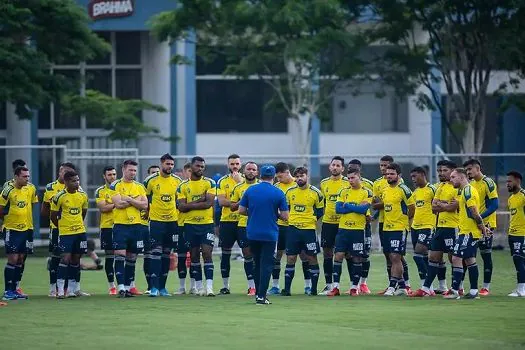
[{"x": 118, "y": 116}]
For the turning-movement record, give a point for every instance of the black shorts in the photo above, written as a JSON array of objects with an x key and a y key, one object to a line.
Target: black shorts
[
  {"x": 395, "y": 242},
  {"x": 465, "y": 246},
  {"x": 351, "y": 241},
  {"x": 53, "y": 242},
  {"x": 106, "y": 238},
  {"x": 198, "y": 235},
  {"x": 381, "y": 236},
  {"x": 227, "y": 234},
  {"x": 485, "y": 244},
  {"x": 129, "y": 237},
  {"x": 443, "y": 240},
  {"x": 328, "y": 234},
  {"x": 182, "y": 246},
  {"x": 281, "y": 241},
  {"x": 298, "y": 240},
  {"x": 18, "y": 242},
  {"x": 517, "y": 246},
  {"x": 422, "y": 236},
  {"x": 368, "y": 240},
  {"x": 73, "y": 244},
  {"x": 163, "y": 234}
]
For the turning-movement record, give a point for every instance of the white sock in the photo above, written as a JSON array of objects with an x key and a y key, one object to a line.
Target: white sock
[
  {"x": 71, "y": 286},
  {"x": 111, "y": 285},
  {"x": 251, "y": 284},
  {"x": 226, "y": 282},
  {"x": 407, "y": 283},
  {"x": 182, "y": 283},
  {"x": 121, "y": 287},
  {"x": 132, "y": 284},
  {"x": 353, "y": 286},
  {"x": 443, "y": 285},
  {"x": 52, "y": 287},
  {"x": 192, "y": 283},
  {"x": 422, "y": 282},
  {"x": 426, "y": 289},
  {"x": 486, "y": 285},
  {"x": 77, "y": 286},
  {"x": 461, "y": 285},
  {"x": 60, "y": 285},
  {"x": 335, "y": 285},
  {"x": 275, "y": 283},
  {"x": 209, "y": 284},
  {"x": 308, "y": 283},
  {"x": 363, "y": 280},
  {"x": 17, "y": 284},
  {"x": 127, "y": 288},
  {"x": 521, "y": 288},
  {"x": 198, "y": 284},
  {"x": 473, "y": 291}
]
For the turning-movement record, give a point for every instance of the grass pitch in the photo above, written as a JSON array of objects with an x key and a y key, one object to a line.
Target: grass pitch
[{"x": 234, "y": 322}]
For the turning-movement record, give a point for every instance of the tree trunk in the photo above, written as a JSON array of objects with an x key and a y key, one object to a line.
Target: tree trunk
[{"x": 300, "y": 132}]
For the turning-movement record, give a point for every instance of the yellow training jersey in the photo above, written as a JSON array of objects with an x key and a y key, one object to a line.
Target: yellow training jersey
[
  {"x": 18, "y": 206},
  {"x": 331, "y": 189},
  {"x": 396, "y": 201},
  {"x": 446, "y": 192},
  {"x": 302, "y": 204},
  {"x": 182, "y": 215},
  {"x": 468, "y": 197},
  {"x": 70, "y": 206},
  {"x": 103, "y": 194},
  {"x": 129, "y": 215},
  {"x": 237, "y": 193},
  {"x": 354, "y": 221},
  {"x": 192, "y": 191},
  {"x": 52, "y": 189},
  {"x": 516, "y": 204},
  {"x": 225, "y": 187},
  {"x": 162, "y": 193},
  {"x": 369, "y": 185},
  {"x": 487, "y": 189},
  {"x": 284, "y": 187},
  {"x": 377, "y": 189},
  {"x": 424, "y": 218}
]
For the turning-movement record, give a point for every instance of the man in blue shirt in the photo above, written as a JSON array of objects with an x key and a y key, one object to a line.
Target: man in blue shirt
[{"x": 263, "y": 204}]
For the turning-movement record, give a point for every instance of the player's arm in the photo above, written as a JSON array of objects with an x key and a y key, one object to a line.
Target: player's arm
[
  {"x": 85, "y": 208},
  {"x": 140, "y": 202},
  {"x": 283, "y": 210},
  {"x": 471, "y": 203},
  {"x": 46, "y": 205},
  {"x": 119, "y": 202},
  {"x": 377, "y": 204},
  {"x": 243, "y": 203},
  {"x": 221, "y": 196},
  {"x": 319, "y": 206},
  {"x": 492, "y": 202},
  {"x": 102, "y": 205},
  {"x": 234, "y": 200},
  {"x": 55, "y": 209}
]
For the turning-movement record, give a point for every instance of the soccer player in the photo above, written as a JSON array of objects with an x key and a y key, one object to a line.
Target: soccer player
[
  {"x": 195, "y": 198},
  {"x": 250, "y": 175},
  {"x": 161, "y": 189},
  {"x": 228, "y": 221},
  {"x": 144, "y": 215},
  {"x": 352, "y": 204},
  {"x": 306, "y": 205},
  {"x": 130, "y": 200},
  {"x": 153, "y": 169},
  {"x": 54, "y": 255},
  {"x": 398, "y": 205},
  {"x": 379, "y": 185},
  {"x": 424, "y": 220},
  {"x": 471, "y": 229},
  {"x": 16, "y": 208},
  {"x": 363, "y": 286},
  {"x": 331, "y": 187},
  {"x": 516, "y": 204},
  {"x": 16, "y": 163},
  {"x": 445, "y": 206},
  {"x": 488, "y": 194},
  {"x": 68, "y": 211},
  {"x": 105, "y": 206}
]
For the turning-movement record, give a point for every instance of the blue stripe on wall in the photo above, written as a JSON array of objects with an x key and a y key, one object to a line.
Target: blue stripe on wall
[
  {"x": 436, "y": 122},
  {"x": 190, "y": 86},
  {"x": 173, "y": 102},
  {"x": 35, "y": 171},
  {"x": 315, "y": 165}
]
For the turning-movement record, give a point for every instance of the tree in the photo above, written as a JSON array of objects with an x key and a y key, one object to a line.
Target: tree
[
  {"x": 463, "y": 44},
  {"x": 303, "y": 49},
  {"x": 37, "y": 34}
]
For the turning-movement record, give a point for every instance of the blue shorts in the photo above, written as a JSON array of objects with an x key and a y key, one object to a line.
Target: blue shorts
[
  {"x": 163, "y": 234},
  {"x": 381, "y": 235},
  {"x": 328, "y": 235},
  {"x": 422, "y": 236},
  {"x": 281, "y": 241},
  {"x": 298, "y": 240},
  {"x": 106, "y": 238},
  {"x": 368, "y": 239},
  {"x": 351, "y": 241},
  {"x": 485, "y": 244},
  {"x": 517, "y": 246},
  {"x": 395, "y": 242},
  {"x": 18, "y": 242},
  {"x": 181, "y": 245},
  {"x": 443, "y": 240},
  {"x": 227, "y": 234},
  {"x": 146, "y": 239},
  {"x": 465, "y": 246},
  {"x": 53, "y": 241},
  {"x": 73, "y": 244},
  {"x": 198, "y": 235},
  {"x": 129, "y": 237}
]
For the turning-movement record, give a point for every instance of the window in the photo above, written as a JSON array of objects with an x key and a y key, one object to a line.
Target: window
[
  {"x": 47, "y": 162},
  {"x": 106, "y": 58},
  {"x": 128, "y": 48},
  {"x": 3, "y": 116},
  {"x": 128, "y": 83},
  {"x": 63, "y": 121},
  {"x": 237, "y": 106},
  {"x": 100, "y": 80},
  {"x": 3, "y": 161}
]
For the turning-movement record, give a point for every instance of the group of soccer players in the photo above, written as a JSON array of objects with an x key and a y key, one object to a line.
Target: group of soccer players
[{"x": 169, "y": 213}]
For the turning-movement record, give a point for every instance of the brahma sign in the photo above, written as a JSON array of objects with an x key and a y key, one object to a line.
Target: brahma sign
[{"x": 99, "y": 9}]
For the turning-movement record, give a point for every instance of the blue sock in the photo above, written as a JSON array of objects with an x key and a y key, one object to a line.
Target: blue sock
[
  {"x": 422, "y": 268},
  {"x": 208, "y": 270},
  {"x": 306, "y": 270},
  {"x": 276, "y": 272},
  {"x": 109, "y": 268},
  {"x": 389, "y": 272},
  {"x": 119, "y": 268},
  {"x": 181, "y": 267},
  {"x": 349, "y": 267},
  {"x": 314, "y": 276},
  {"x": 129, "y": 272},
  {"x": 154, "y": 268},
  {"x": 473, "y": 275},
  {"x": 366, "y": 268},
  {"x": 289, "y": 273},
  {"x": 393, "y": 282},
  {"x": 405, "y": 269},
  {"x": 356, "y": 273},
  {"x": 18, "y": 274},
  {"x": 433, "y": 267},
  {"x": 62, "y": 273},
  {"x": 457, "y": 277},
  {"x": 74, "y": 271},
  {"x": 519, "y": 264},
  {"x": 164, "y": 269},
  {"x": 328, "y": 268},
  {"x": 53, "y": 269},
  {"x": 487, "y": 267},
  {"x": 248, "y": 268},
  {"x": 225, "y": 264},
  {"x": 196, "y": 271},
  {"x": 146, "y": 266},
  {"x": 9, "y": 277},
  {"x": 338, "y": 270}
]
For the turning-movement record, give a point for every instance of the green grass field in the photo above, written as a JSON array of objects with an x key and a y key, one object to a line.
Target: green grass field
[{"x": 234, "y": 322}]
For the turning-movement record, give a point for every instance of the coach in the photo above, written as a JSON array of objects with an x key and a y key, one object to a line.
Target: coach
[{"x": 263, "y": 204}]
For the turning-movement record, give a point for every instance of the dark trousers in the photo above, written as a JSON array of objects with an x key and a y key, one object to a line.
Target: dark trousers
[{"x": 263, "y": 257}]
